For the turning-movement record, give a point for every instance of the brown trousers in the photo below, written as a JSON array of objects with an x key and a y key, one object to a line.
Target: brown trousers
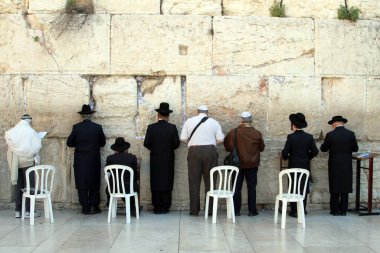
[{"x": 200, "y": 160}]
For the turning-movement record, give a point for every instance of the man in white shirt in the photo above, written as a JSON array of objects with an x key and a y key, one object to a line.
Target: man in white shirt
[{"x": 201, "y": 134}]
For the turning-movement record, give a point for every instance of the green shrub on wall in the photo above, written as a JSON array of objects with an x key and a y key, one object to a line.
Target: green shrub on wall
[
  {"x": 348, "y": 13},
  {"x": 277, "y": 9}
]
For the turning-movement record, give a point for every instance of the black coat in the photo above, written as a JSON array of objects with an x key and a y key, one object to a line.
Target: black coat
[
  {"x": 340, "y": 143},
  {"x": 127, "y": 160},
  {"x": 87, "y": 137},
  {"x": 300, "y": 148},
  {"x": 161, "y": 139}
]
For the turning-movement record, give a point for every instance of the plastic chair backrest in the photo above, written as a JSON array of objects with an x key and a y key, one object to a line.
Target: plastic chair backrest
[
  {"x": 226, "y": 178},
  {"x": 116, "y": 173},
  {"x": 294, "y": 188},
  {"x": 42, "y": 175}
]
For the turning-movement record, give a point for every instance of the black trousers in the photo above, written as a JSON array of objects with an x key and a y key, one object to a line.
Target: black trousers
[
  {"x": 293, "y": 205},
  {"x": 338, "y": 203},
  {"x": 200, "y": 160},
  {"x": 251, "y": 178},
  {"x": 21, "y": 184},
  {"x": 161, "y": 200},
  {"x": 89, "y": 198}
]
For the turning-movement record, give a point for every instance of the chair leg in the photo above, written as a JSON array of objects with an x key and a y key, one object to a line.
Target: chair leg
[
  {"x": 283, "y": 215},
  {"x": 110, "y": 209},
  {"x": 299, "y": 212},
  {"x": 31, "y": 211},
  {"x": 228, "y": 203},
  {"x": 206, "y": 206},
  {"x": 232, "y": 209},
  {"x": 137, "y": 206},
  {"x": 50, "y": 209},
  {"x": 302, "y": 214},
  {"x": 128, "y": 209},
  {"x": 114, "y": 213},
  {"x": 46, "y": 208},
  {"x": 214, "y": 209},
  {"x": 23, "y": 208},
  {"x": 276, "y": 210}
]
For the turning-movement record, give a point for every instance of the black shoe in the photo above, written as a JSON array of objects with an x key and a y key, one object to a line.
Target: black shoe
[
  {"x": 343, "y": 214},
  {"x": 85, "y": 211},
  {"x": 165, "y": 211},
  {"x": 157, "y": 212},
  {"x": 253, "y": 213},
  {"x": 193, "y": 214},
  {"x": 95, "y": 211},
  {"x": 237, "y": 214},
  {"x": 294, "y": 215},
  {"x": 334, "y": 214}
]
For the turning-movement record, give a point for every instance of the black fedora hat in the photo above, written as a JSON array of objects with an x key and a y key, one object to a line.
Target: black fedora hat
[
  {"x": 120, "y": 145},
  {"x": 337, "y": 118},
  {"x": 298, "y": 119},
  {"x": 164, "y": 109},
  {"x": 86, "y": 109}
]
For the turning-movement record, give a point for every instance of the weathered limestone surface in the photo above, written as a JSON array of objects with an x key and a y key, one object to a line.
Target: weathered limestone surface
[
  {"x": 53, "y": 101},
  {"x": 178, "y": 45},
  {"x": 153, "y": 91},
  {"x": 195, "y": 7},
  {"x": 346, "y": 48},
  {"x": 312, "y": 9},
  {"x": 116, "y": 104},
  {"x": 11, "y": 6},
  {"x": 291, "y": 95},
  {"x": 370, "y": 9},
  {"x": 100, "y": 6},
  {"x": 246, "y": 7},
  {"x": 373, "y": 110},
  {"x": 11, "y": 102},
  {"x": 54, "y": 43},
  {"x": 235, "y": 94},
  {"x": 263, "y": 46},
  {"x": 344, "y": 97},
  {"x": 6, "y": 188}
]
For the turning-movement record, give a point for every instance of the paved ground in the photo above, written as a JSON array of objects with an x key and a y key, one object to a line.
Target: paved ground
[{"x": 179, "y": 232}]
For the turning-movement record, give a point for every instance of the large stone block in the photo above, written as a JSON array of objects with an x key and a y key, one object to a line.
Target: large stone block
[
  {"x": 100, "y": 6},
  {"x": 46, "y": 99},
  {"x": 346, "y": 97},
  {"x": 195, "y": 7},
  {"x": 291, "y": 95},
  {"x": 11, "y": 6},
  {"x": 373, "y": 109},
  {"x": 252, "y": 45},
  {"x": 369, "y": 8},
  {"x": 312, "y": 9},
  {"x": 153, "y": 91},
  {"x": 116, "y": 105},
  {"x": 246, "y": 7},
  {"x": 234, "y": 94},
  {"x": 55, "y": 43},
  {"x": 346, "y": 48},
  {"x": 12, "y": 101},
  {"x": 176, "y": 45}
]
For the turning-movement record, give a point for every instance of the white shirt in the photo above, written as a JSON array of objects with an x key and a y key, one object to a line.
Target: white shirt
[{"x": 208, "y": 133}]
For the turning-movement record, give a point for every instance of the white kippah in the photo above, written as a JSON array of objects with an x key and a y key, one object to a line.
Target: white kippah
[
  {"x": 203, "y": 108},
  {"x": 246, "y": 115}
]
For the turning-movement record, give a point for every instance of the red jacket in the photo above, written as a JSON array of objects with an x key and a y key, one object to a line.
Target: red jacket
[{"x": 249, "y": 143}]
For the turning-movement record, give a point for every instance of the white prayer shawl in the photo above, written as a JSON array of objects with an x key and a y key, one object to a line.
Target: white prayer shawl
[
  {"x": 23, "y": 144},
  {"x": 23, "y": 139}
]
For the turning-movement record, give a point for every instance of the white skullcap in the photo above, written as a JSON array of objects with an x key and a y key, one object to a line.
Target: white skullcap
[
  {"x": 203, "y": 108},
  {"x": 246, "y": 116}
]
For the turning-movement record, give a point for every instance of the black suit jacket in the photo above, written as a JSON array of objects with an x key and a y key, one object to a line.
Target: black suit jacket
[
  {"x": 161, "y": 139},
  {"x": 87, "y": 137},
  {"x": 340, "y": 143}
]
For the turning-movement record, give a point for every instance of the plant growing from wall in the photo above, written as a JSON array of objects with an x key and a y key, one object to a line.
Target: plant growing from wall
[
  {"x": 348, "y": 13},
  {"x": 277, "y": 9}
]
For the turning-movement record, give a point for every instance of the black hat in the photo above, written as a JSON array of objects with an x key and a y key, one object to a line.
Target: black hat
[
  {"x": 298, "y": 119},
  {"x": 86, "y": 109},
  {"x": 164, "y": 109},
  {"x": 26, "y": 116},
  {"x": 337, "y": 118},
  {"x": 120, "y": 145}
]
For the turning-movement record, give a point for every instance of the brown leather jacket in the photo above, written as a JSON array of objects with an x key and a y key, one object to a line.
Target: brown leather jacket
[{"x": 249, "y": 143}]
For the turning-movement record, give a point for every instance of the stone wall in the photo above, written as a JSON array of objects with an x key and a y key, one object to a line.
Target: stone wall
[{"x": 129, "y": 56}]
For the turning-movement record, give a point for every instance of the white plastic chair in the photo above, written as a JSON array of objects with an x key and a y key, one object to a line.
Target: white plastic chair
[
  {"x": 227, "y": 176},
  {"x": 294, "y": 194},
  {"x": 42, "y": 190},
  {"x": 115, "y": 173}
]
